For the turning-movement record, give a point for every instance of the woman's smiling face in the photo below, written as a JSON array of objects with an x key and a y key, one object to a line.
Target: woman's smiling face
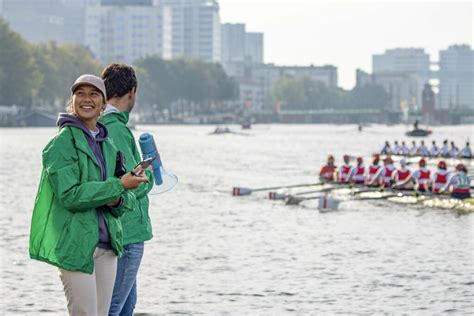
[{"x": 87, "y": 103}]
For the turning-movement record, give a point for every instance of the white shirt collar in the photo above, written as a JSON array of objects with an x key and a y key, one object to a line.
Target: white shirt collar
[{"x": 110, "y": 109}]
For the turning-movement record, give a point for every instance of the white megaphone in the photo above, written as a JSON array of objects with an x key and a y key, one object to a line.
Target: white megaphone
[{"x": 163, "y": 180}]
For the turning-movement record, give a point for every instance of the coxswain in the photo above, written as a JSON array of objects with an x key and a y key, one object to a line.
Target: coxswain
[
  {"x": 358, "y": 172},
  {"x": 404, "y": 150},
  {"x": 385, "y": 174},
  {"x": 444, "y": 151},
  {"x": 453, "y": 151},
  {"x": 423, "y": 150},
  {"x": 440, "y": 177},
  {"x": 328, "y": 172},
  {"x": 413, "y": 149},
  {"x": 465, "y": 152},
  {"x": 386, "y": 150},
  {"x": 459, "y": 183},
  {"x": 434, "y": 151},
  {"x": 345, "y": 171},
  {"x": 373, "y": 168}
]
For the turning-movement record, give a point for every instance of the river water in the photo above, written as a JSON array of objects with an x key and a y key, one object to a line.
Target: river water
[{"x": 214, "y": 254}]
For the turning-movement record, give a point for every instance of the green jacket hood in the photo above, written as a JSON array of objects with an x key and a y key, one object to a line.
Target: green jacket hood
[{"x": 115, "y": 116}]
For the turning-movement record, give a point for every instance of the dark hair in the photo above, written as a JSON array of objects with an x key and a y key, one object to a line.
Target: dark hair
[{"x": 119, "y": 79}]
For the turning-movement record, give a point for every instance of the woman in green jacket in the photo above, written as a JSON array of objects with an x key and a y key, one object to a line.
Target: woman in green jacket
[{"x": 75, "y": 224}]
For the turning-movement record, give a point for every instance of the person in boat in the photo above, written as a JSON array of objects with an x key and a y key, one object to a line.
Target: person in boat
[
  {"x": 415, "y": 125},
  {"x": 423, "y": 150},
  {"x": 373, "y": 168},
  {"x": 465, "y": 152},
  {"x": 459, "y": 184},
  {"x": 357, "y": 175},
  {"x": 386, "y": 150},
  {"x": 404, "y": 150},
  {"x": 402, "y": 174},
  {"x": 385, "y": 176},
  {"x": 328, "y": 172},
  {"x": 453, "y": 151},
  {"x": 413, "y": 149},
  {"x": 444, "y": 151},
  {"x": 440, "y": 177},
  {"x": 434, "y": 150},
  {"x": 344, "y": 174},
  {"x": 396, "y": 148},
  {"x": 421, "y": 177}
]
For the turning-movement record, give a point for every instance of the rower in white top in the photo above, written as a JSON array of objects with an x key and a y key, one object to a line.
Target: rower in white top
[
  {"x": 397, "y": 149},
  {"x": 434, "y": 151},
  {"x": 453, "y": 151},
  {"x": 444, "y": 151},
  {"x": 465, "y": 152},
  {"x": 423, "y": 150},
  {"x": 413, "y": 149},
  {"x": 404, "y": 150},
  {"x": 386, "y": 150}
]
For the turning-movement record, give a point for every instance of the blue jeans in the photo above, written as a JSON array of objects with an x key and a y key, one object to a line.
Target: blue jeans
[{"x": 124, "y": 297}]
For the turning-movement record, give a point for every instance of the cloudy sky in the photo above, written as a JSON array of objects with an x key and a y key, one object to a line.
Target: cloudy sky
[{"x": 347, "y": 33}]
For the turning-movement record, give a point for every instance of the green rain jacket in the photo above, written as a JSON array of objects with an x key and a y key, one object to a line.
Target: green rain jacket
[
  {"x": 136, "y": 225},
  {"x": 64, "y": 226}
]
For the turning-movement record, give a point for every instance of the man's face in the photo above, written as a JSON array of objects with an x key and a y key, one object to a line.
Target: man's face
[{"x": 133, "y": 96}]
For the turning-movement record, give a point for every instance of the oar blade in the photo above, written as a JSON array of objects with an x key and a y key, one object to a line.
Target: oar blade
[{"x": 238, "y": 191}]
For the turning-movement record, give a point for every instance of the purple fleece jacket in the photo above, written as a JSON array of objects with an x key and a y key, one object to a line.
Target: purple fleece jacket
[{"x": 66, "y": 119}]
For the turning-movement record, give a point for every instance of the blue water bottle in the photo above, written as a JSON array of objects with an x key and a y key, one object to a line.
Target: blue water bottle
[{"x": 148, "y": 148}]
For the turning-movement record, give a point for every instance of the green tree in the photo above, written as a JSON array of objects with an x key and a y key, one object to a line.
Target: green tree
[
  {"x": 19, "y": 75},
  {"x": 59, "y": 66}
]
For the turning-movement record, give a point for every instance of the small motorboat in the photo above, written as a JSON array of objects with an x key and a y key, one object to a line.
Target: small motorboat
[{"x": 419, "y": 132}]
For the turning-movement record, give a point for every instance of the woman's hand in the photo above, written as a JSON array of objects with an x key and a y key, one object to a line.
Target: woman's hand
[{"x": 133, "y": 179}]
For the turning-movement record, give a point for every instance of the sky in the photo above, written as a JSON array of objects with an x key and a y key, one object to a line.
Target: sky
[{"x": 347, "y": 33}]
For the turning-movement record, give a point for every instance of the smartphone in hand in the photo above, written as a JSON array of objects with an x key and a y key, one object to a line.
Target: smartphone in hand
[{"x": 145, "y": 164}]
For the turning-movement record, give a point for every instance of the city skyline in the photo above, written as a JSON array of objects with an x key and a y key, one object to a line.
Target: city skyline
[{"x": 375, "y": 27}]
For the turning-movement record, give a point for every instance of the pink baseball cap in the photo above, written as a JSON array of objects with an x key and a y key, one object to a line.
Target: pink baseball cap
[{"x": 92, "y": 81}]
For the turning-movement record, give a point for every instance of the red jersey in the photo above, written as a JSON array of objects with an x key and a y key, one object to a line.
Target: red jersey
[{"x": 327, "y": 173}]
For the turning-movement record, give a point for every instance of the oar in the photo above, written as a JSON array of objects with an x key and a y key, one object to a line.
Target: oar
[
  {"x": 294, "y": 200},
  {"x": 239, "y": 191},
  {"x": 281, "y": 196}
]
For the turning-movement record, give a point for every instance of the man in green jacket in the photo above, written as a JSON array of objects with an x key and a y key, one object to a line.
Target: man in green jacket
[{"x": 121, "y": 85}]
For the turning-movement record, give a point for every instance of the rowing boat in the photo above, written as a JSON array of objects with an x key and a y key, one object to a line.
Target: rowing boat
[{"x": 330, "y": 199}]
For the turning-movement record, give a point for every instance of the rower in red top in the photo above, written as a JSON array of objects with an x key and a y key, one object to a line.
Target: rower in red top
[
  {"x": 358, "y": 172},
  {"x": 374, "y": 167},
  {"x": 421, "y": 177},
  {"x": 328, "y": 171},
  {"x": 440, "y": 177},
  {"x": 385, "y": 175},
  {"x": 402, "y": 174},
  {"x": 344, "y": 173}
]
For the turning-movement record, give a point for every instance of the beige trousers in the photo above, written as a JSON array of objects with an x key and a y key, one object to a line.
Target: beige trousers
[{"x": 91, "y": 294}]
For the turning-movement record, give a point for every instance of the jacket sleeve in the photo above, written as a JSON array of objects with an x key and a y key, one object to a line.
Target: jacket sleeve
[
  {"x": 145, "y": 188},
  {"x": 128, "y": 203},
  {"x": 61, "y": 163}
]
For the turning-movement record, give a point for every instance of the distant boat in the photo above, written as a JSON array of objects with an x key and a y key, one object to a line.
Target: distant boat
[
  {"x": 419, "y": 132},
  {"x": 246, "y": 125}
]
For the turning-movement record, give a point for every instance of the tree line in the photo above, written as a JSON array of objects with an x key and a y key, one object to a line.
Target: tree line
[
  {"x": 304, "y": 93},
  {"x": 41, "y": 75}
]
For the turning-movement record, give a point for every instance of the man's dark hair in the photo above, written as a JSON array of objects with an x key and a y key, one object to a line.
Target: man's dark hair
[{"x": 119, "y": 79}]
